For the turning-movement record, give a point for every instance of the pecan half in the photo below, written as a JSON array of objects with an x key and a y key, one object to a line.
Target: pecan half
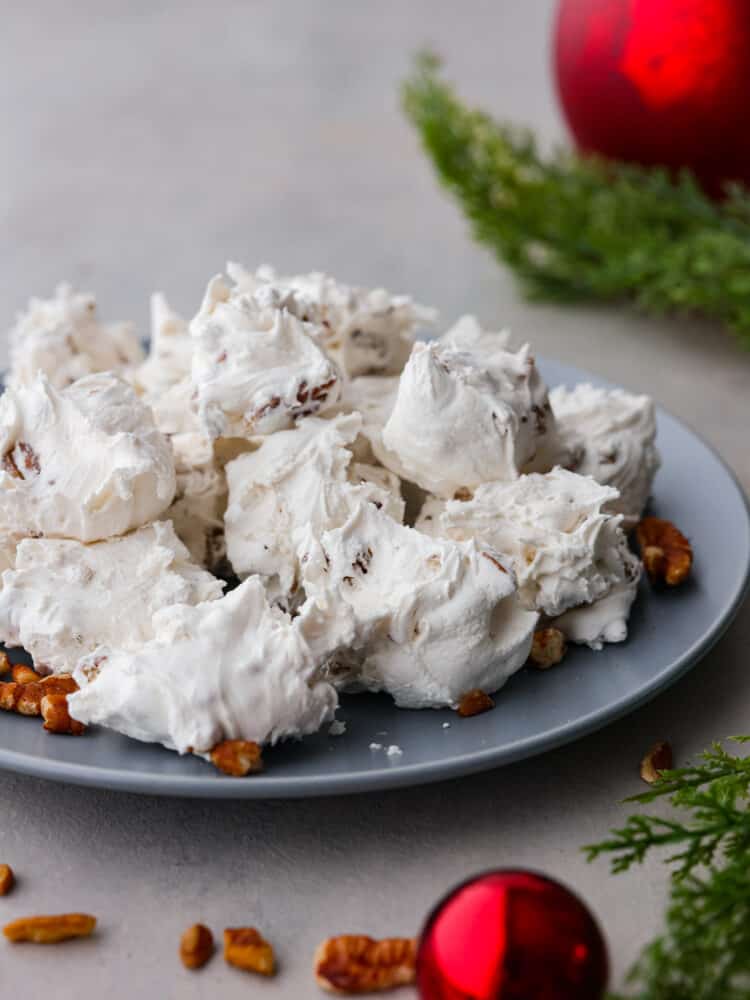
[
  {"x": 57, "y": 718},
  {"x": 22, "y": 674},
  {"x": 547, "y": 648},
  {"x": 7, "y": 879},
  {"x": 659, "y": 758},
  {"x": 237, "y": 757},
  {"x": 474, "y": 703},
  {"x": 196, "y": 946},
  {"x": 50, "y": 930},
  {"x": 355, "y": 963},
  {"x": 245, "y": 948},
  {"x": 665, "y": 551}
]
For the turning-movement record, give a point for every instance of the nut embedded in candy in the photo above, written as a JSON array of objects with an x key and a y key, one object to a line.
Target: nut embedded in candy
[
  {"x": 356, "y": 963},
  {"x": 666, "y": 552}
]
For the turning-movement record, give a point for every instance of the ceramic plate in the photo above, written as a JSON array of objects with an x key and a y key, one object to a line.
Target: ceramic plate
[{"x": 535, "y": 712}]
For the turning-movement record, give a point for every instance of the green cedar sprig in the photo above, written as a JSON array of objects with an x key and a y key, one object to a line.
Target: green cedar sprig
[
  {"x": 704, "y": 953},
  {"x": 576, "y": 228}
]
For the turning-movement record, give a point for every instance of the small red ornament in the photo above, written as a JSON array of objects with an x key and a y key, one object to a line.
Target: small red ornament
[
  {"x": 659, "y": 82},
  {"x": 511, "y": 935}
]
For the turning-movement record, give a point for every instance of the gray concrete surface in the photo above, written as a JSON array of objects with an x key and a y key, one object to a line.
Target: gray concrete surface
[{"x": 144, "y": 143}]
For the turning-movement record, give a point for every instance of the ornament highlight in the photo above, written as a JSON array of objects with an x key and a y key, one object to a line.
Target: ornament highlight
[
  {"x": 659, "y": 82},
  {"x": 511, "y": 935}
]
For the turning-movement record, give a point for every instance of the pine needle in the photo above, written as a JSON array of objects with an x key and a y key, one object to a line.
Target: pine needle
[{"x": 581, "y": 229}]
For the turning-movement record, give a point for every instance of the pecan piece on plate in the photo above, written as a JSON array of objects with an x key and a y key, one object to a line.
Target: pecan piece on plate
[{"x": 666, "y": 553}]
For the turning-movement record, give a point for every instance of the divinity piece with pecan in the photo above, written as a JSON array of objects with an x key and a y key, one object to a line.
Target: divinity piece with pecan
[
  {"x": 231, "y": 669},
  {"x": 425, "y": 619},
  {"x": 609, "y": 434},
  {"x": 567, "y": 553},
  {"x": 63, "y": 339},
  {"x": 256, "y": 368},
  {"x": 666, "y": 553},
  {"x": 298, "y": 481},
  {"x": 355, "y": 963},
  {"x": 65, "y": 598},
  {"x": 464, "y": 417},
  {"x": 366, "y": 331},
  {"x": 86, "y": 462}
]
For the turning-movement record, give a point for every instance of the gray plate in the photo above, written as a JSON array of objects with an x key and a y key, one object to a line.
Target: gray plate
[{"x": 670, "y": 632}]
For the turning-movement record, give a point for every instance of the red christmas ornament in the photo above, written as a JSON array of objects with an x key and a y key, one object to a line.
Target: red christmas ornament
[
  {"x": 511, "y": 935},
  {"x": 659, "y": 82}
]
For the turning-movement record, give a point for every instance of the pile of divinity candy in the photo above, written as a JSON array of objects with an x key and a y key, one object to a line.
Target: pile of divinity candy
[{"x": 290, "y": 496}]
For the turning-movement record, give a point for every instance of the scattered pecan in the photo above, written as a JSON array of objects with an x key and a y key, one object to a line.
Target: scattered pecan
[
  {"x": 50, "y": 930},
  {"x": 196, "y": 946},
  {"x": 24, "y": 699},
  {"x": 666, "y": 553},
  {"x": 7, "y": 879},
  {"x": 547, "y": 648},
  {"x": 246, "y": 949},
  {"x": 24, "y": 675},
  {"x": 4, "y": 664},
  {"x": 659, "y": 758},
  {"x": 355, "y": 963},
  {"x": 237, "y": 757},
  {"x": 57, "y": 718},
  {"x": 474, "y": 703}
]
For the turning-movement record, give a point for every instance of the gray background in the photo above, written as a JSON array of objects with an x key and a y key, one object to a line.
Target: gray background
[{"x": 144, "y": 143}]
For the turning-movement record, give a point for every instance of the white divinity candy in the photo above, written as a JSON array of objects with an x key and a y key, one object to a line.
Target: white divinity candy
[
  {"x": 565, "y": 550},
  {"x": 235, "y": 668},
  {"x": 163, "y": 380},
  {"x": 462, "y": 418},
  {"x": 86, "y": 462},
  {"x": 255, "y": 366},
  {"x": 65, "y": 598},
  {"x": 298, "y": 481},
  {"x": 62, "y": 338},
  {"x": 373, "y": 396},
  {"x": 366, "y": 331},
  {"x": 610, "y": 434},
  {"x": 431, "y": 619},
  {"x": 200, "y": 500}
]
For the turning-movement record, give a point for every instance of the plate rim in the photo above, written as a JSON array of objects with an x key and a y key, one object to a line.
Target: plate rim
[{"x": 426, "y": 772}]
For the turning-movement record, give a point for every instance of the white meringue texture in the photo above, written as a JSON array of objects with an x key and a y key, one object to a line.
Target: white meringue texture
[
  {"x": 565, "y": 550},
  {"x": 463, "y": 418},
  {"x": 200, "y": 501},
  {"x": 234, "y": 668},
  {"x": 427, "y": 619},
  {"x": 366, "y": 331},
  {"x": 298, "y": 480},
  {"x": 63, "y": 339},
  {"x": 64, "y": 598},
  {"x": 610, "y": 434},
  {"x": 255, "y": 368},
  {"x": 86, "y": 462}
]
